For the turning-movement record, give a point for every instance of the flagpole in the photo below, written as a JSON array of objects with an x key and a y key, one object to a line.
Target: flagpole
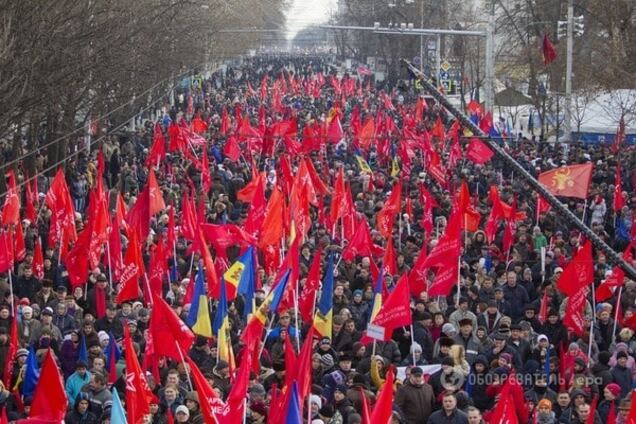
[
  {"x": 589, "y": 348},
  {"x": 542, "y": 265},
  {"x": 185, "y": 366},
  {"x": 400, "y": 230},
  {"x": 148, "y": 287},
  {"x": 110, "y": 267},
  {"x": 11, "y": 293},
  {"x": 413, "y": 342},
  {"x": 584, "y": 212},
  {"x": 618, "y": 302},
  {"x": 296, "y": 316},
  {"x": 459, "y": 280}
]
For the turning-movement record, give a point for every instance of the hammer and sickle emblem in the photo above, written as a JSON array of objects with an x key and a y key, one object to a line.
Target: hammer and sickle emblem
[{"x": 562, "y": 179}]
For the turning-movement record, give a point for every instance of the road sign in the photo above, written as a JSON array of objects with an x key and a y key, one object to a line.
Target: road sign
[
  {"x": 375, "y": 331},
  {"x": 445, "y": 66},
  {"x": 443, "y": 75},
  {"x": 431, "y": 45},
  {"x": 416, "y": 60}
]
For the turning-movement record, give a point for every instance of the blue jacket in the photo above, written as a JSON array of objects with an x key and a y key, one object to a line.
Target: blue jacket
[{"x": 74, "y": 385}]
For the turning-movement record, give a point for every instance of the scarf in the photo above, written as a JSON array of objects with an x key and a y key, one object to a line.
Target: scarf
[{"x": 100, "y": 302}]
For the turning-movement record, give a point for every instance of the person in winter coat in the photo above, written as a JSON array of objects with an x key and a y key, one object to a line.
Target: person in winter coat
[
  {"x": 81, "y": 414},
  {"x": 63, "y": 320},
  {"x": 449, "y": 414},
  {"x": 601, "y": 370},
  {"x": 472, "y": 346},
  {"x": 80, "y": 378},
  {"x": 192, "y": 402},
  {"x": 415, "y": 398},
  {"x": 479, "y": 384},
  {"x": 631, "y": 363},
  {"x": 554, "y": 329},
  {"x": 341, "y": 403},
  {"x": 611, "y": 400},
  {"x": 622, "y": 375}
]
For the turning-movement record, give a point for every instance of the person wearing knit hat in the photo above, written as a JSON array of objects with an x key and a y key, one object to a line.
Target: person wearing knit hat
[
  {"x": 544, "y": 412},
  {"x": 181, "y": 414},
  {"x": 327, "y": 361}
]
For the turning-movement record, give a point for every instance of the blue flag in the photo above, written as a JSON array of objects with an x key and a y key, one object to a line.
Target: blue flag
[
  {"x": 83, "y": 352},
  {"x": 293, "y": 407},
  {"x": 31, "y": 375},
  {"x": 117, "y": 414}
]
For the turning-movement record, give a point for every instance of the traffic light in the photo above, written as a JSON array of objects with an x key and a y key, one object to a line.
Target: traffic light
[
  {"x": 579, "y": 26},
  {"x": 562, "y": 29}
]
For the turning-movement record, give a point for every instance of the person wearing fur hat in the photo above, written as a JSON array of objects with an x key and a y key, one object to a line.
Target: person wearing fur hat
[{"x": 193, "y": 404}]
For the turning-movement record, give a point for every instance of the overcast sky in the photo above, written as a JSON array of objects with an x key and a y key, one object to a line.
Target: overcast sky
[{"x": 307, "y": 12}]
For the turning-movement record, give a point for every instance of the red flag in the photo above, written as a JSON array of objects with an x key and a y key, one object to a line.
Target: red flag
[
  {"x": 478, "y": 151},
  {"x": 631, "y": 418},
  {"x": 158, "y": 149},
  {"x": 210, "y": 404},
  {"x": 620, "y": 136},
  {"x": 449, "y": 246},
  {"x": 542, "y": 206},
  {"x": 383, "y": 408},
  {"x": 29, "y": 211},
  {"x": 389, "y": 263},
  {"x": 290, "y": 362},
  {"x": 133, "y": 269},
  {"x": 619, "y": 200},
  {"x": 11, "y": 352},
  {"x": 97, "y": 226},
  {"x": 225, "y": 122},
  {"x": 236, "y": 397},
  {"x": 11, "y": 210},
  {"x": 543, "y": 309},
  {"x": 138, "y": 217},
  {"x": 156, "y": 202},
  {"x": 304, "y": 363},
  {"x": 361, "y": 244},
  {"x": 504, "y": 411},
  {"x": 114, "y": 250},
  {"x": 58, "y": 200},
  {"x": 568, "y": 181},
  {"x": 392, "y": 206},
  {"x": 604, "y": 291},
  {"x": 417, "y": 276},
  {"x": 20, "y": 247},
  {"x": 396, "y": 311},
  {"x": 273, "y": 228},
  {"x": 611, "y": 415},
  {"x": 579, "y": 272},
  {"x": 445, "y": 279},
  {"x": 49, "y": 400},
  {"x": 549, "y": 54},
  {"x": 38, "y": 260},
  {"x": 573, "y": 319},
  {"x": 232, "y": 149},
  {"x": 138, "y": 394},
  {"x": 366, "y": 413},
  {"x": 247, "y": 193},
  {"x": 334, "y": 131},
  {"x": 438, "y": 129},
  {"x": 307, "y": 299},
  {"x": 166, "y": 325},
  {"x": 591, "y": 418},
  {"x": 76, "y": 261}
]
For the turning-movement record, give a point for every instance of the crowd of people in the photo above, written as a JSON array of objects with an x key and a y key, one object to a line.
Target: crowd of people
[{"x": 502, "y": 320}]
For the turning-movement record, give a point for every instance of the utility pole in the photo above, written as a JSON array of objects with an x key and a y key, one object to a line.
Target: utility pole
[
  {"x": 422, "y": 36},
  {"x": 490, "y": 60},
  {"x": 567, "y": 121}
]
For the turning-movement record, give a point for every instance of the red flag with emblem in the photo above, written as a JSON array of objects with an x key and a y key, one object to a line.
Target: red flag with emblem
[
  {"x": 568, "y": 181},
  {"x": 389, "y": 261},
  {"x": 138, "y": 393},
  {"x": 478, "y": 151},
  {"x": 396, "y": 311}
]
